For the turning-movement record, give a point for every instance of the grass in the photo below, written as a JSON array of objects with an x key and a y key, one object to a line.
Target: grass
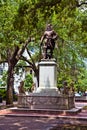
[
  {"x": 69, "y": 127},
  {"x": 85, "y": 107}
]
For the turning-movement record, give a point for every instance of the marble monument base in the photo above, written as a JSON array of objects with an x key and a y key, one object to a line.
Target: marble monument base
[
  {"x": 47, "y": 95},
  {"x": 38, "y": 101}
]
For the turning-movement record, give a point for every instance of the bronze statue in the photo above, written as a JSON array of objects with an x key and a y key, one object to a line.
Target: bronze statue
[{"x": 49, "y": 38}]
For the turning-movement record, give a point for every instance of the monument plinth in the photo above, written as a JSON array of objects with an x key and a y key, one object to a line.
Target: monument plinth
[
  {"x": 47, "y": 95},
  {"x": 47, "y": 76}
]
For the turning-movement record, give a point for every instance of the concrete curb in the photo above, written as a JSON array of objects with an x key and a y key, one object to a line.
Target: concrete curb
[
  {"x": 47, "y": 116},
  {"x": 14, "y": 112}
]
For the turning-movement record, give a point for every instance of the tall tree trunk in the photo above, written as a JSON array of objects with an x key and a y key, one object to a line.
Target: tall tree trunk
[
  {"x": 10, "y": 85},
  {"x": 13, "y": 58},
  {"x": 36, "y": 71}
]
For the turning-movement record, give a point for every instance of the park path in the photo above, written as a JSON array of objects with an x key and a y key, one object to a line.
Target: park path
[
  {"x": 10, "y": 120},
  {"x": 81, "y": 115}
]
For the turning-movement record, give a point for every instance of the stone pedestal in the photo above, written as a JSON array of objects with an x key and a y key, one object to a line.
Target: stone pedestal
[
  {"x": 37, "y": 101},
  {"x": 47, "y": 75},
  {"x": 47, "y": 95}
]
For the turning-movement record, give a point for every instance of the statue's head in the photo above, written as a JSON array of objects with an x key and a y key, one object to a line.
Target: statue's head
[{"x": 49, "y": 27}]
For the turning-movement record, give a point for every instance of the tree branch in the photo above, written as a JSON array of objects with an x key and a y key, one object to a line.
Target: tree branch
[
  {"x": 21, "y": 50},
  {"x": 33, "y": 63},
  {"x": 25, "y": 59},
  {"x": 30, "y": 56},
  {"x": 83, "y": 3}
]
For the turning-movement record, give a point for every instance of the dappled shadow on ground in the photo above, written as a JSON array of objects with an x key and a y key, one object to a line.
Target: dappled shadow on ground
[
  {"x": 37, "y": 123},
  {"x": 69, "y": 124},
  {"x": 25, "y": 123},
  {"x": 69, "y": 127}
]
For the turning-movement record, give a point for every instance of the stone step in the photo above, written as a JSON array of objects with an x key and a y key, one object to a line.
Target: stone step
[{"x": 73, "y": 111}]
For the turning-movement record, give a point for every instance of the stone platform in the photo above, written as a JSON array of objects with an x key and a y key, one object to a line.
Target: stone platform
[
  {"x": 47, "y": 95},
  {"x": 44, "y": 112},
  {"x": 45, "y": 101}
]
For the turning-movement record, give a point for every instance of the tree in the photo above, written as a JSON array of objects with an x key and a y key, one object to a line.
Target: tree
[
  {"x": 23, "y": 19},
  {"x": 68, "y": 20},
  {"x": 13, "y": 47}
]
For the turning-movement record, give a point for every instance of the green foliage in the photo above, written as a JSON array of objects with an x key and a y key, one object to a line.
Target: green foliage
[
  {"x": 82, "y": 81},
  {"x": 3, "y": 93},
  {"x": 3, "y": 79},
  {"x": 85, "y": 107},
  {"x": 20, "y": 66},
  {"x": 20, "y": 19},
  {"x": 28, "y": 82}
]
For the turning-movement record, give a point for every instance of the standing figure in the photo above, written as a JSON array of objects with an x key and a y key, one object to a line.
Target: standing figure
[
  {"x": 72, "y": 89},
  {"x": 21, "y": 88},
  {"x": 66, "y": 88},
  {"x": 49, "y": 38}
]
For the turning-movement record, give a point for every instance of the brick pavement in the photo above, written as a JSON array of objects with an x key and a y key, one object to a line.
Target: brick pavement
[
  {"x": 81, "y": 115},
  {"x": 40, "y": 123},
  {"x": 35, "y": 121}
]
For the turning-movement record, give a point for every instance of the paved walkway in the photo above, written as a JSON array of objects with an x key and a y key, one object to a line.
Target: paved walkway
[
  {"x": 42, "y": 122},
  {"x": 79, "y": 116},
  {"x": 35, "y": 121}
]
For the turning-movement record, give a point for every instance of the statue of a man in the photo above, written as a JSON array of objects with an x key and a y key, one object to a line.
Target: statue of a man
[{"x": 49, "y": 38}]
